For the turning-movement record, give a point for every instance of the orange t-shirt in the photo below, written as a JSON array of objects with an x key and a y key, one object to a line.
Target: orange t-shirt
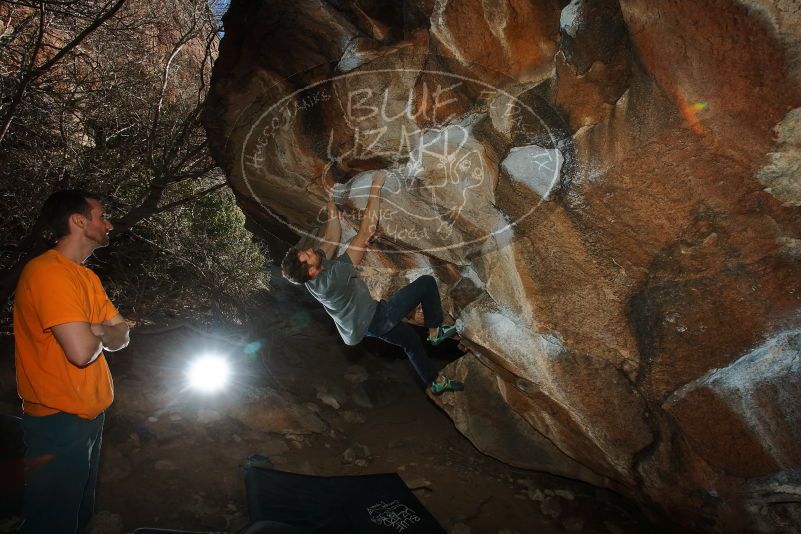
[{"x": 53, "y": 290}]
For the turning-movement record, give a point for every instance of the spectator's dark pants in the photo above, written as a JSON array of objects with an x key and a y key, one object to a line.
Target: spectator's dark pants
[
  {"x": 61, "y": 463},
  {"x": 387, "y": 322}
]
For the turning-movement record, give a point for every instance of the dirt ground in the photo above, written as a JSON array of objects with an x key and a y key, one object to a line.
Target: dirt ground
[{"x": 172, "y": 457}]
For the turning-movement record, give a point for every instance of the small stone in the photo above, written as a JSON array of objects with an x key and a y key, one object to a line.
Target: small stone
[
  {"x": 362, "y": 462},
  {"x": 508, "y": 531},
  {"x": 349, "y": 456},
  {"x": 208, "y": 416},
  {"x": 460, "y": 528},
  {"x": 153, "y": 419},
  {"x": 357, "y": 452},
  {"x": 422, "y": 492},
  {"x": 356, "y": 374},
  {"x": 551, "y": 507},
  {"x": 175, "y": 417},
  {"x": 565, "y": 494},
  {"x": 236, "y": 438},
  {"x": 165, "y": 465},
  {"x": 328, "y": 400},
  {"x": 418, "y": 482},
  {"x": 535, "y": 495},
  {"x": 396, "y": 444},
  {"x": 573, "y": 524},
  {"x": 612, "y": 528}
]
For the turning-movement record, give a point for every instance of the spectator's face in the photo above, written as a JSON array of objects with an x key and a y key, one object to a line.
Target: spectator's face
[{"x": 98, "y": 225}]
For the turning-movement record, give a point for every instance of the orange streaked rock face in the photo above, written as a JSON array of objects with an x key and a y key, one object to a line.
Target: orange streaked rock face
[{"x": 608, "y": 194}]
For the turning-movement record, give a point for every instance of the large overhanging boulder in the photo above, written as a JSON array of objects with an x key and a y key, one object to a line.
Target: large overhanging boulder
[{"x": 609, "y": 195}]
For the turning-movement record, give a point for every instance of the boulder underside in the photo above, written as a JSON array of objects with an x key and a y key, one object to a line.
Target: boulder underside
[{"x": 609, "y": 195}]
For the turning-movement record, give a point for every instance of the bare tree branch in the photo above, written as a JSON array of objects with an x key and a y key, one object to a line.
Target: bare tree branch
[
  {"x": 185, "y": 38},
  {"x": 191, "y": 198},
  {"x": 35, "y": 72},
  {"x": 122, "y": 111}
]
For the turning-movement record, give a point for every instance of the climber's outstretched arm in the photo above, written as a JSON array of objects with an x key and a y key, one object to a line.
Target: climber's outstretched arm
[
  {"x": 333, "y": 230},
  {"x": 369, "y": 223}
]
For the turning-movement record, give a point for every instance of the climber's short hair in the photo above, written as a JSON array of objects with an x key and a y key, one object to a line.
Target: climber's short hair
[{"x": 293, "y": 269}]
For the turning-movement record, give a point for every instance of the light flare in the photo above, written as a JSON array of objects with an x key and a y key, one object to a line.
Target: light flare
[
  {"x": 208, "y": 373},
  {"x": 690, "y": 113}
]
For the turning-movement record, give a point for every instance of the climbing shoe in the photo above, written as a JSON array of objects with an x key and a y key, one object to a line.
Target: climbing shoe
[
  {"x": 444, "y": 384},
  {"x": 443, "y": 333}
]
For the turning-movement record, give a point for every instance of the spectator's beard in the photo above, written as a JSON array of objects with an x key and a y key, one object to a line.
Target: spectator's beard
[{"x": 321, "y": 254}]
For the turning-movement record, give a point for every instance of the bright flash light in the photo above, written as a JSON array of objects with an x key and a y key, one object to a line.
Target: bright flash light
[{"x": 208, "y": 373}]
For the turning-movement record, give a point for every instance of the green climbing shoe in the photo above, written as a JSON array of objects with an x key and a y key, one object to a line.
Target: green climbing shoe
[
  {"x": 444, "y": 384},
  {"x": 443, "y": 333}
]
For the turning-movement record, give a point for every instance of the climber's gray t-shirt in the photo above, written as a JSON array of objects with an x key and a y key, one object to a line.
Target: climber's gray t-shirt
[{"x": 345, "y": 297}]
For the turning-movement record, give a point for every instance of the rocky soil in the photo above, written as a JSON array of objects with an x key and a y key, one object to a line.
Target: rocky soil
[{"x": 171, "y": 457}]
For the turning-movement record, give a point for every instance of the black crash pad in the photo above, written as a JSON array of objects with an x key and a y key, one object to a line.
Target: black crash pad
[
  {"x": 370, "y": 504},
  {"x": 262, "y": 527}
]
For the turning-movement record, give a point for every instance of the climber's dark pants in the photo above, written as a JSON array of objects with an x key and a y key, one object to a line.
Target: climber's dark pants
[
  {"x": 388, "y": 325},
  {"x": 61, "y": 464}
]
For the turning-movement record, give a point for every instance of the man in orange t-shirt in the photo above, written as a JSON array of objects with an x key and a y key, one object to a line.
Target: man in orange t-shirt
[{"x": 63, "y": 321}]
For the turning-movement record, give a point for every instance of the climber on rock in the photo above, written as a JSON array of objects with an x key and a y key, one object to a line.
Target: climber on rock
[{"x": 335, "y": 284}]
